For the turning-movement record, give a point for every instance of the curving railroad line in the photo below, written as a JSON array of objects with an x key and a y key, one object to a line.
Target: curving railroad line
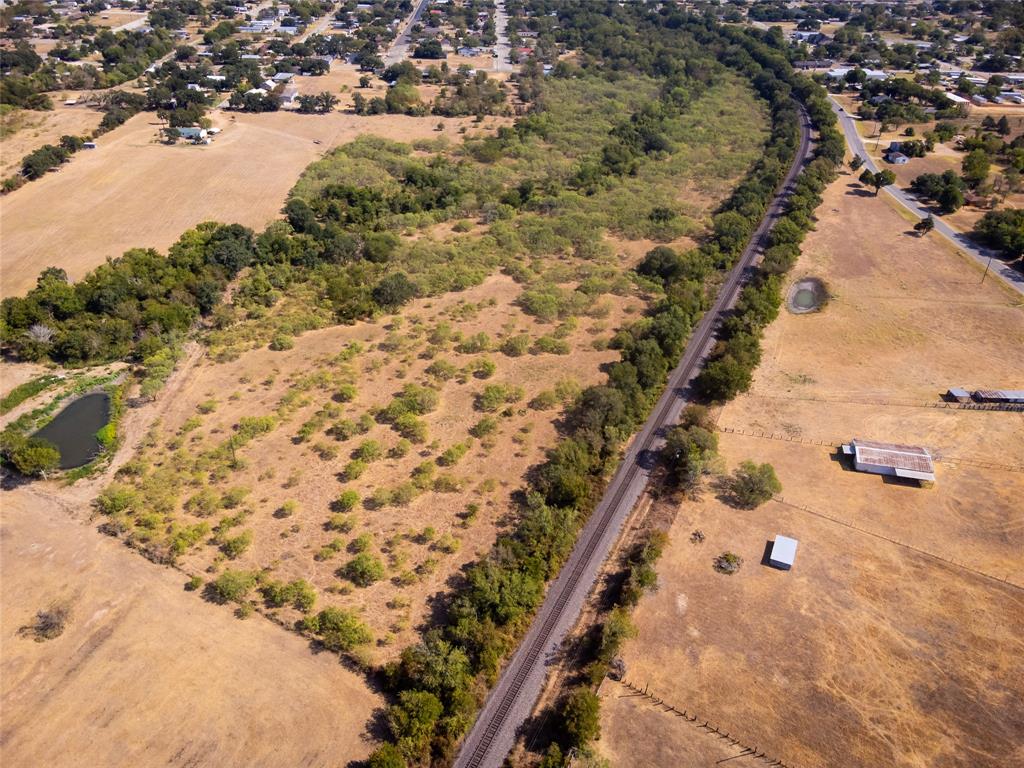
[{"x": 511, "y": 701}]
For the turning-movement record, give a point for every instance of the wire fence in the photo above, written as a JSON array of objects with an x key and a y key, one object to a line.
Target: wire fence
[
  {"x": 951, "y": 461},
  {"x": 946, "y": 405},
  {"x": 747, "y": 750},
  {"x": 948, "y": 561}
]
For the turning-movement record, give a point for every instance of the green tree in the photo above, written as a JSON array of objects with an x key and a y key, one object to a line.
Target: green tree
[
  {"x": 751, "y": 485},
  {"x": 925, "y": 225},
  {"x": 412, "y": 722},
  {"x": 581, "y": 717},
  {"x": 339, "y": 630},
  {"x": 856, "y": 162},
  {"x": 364, "y": 569},
  {"x": 975, "y": 167},
  {"x": 34, "y": 457}
]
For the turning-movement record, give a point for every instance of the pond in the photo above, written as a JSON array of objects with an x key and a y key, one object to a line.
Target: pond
[
  {"x": 74, "y": 429},
  {"x": 805, "y": 298},
  {"x": 806, "y": 295}
]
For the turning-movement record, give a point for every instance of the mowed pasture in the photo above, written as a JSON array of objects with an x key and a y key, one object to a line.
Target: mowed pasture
[
  {"x": 144, "y": 673},
  {"x": 874, "y": 649},
  {"x": 133, "y": 191}
]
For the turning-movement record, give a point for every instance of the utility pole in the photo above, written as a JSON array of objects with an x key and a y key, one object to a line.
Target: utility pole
[{"x": 986, "y": 270}]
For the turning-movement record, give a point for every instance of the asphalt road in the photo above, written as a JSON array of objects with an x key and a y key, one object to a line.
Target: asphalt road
[
  {"x": 399, "y": 50},
  {"x": 512, "y": 700},
  {"x": 1012, "y": 277}
]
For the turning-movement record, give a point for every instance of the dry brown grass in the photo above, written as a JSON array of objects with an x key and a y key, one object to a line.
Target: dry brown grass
[
  {"x": 135, "y": 192},
  {"x": 280, "y": 470},
  {"x": 27, "y": 130},
  {"x": 868, "y": 652},
  {"x": 146, "y": 674}
]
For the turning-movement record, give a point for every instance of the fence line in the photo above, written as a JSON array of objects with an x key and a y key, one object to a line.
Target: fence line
[
  {"x": 952, "y": 461},
  {"x": 706, "y": 726},
  {"x": 940, "y": 404},
  {"x": 941, "y": 558}
]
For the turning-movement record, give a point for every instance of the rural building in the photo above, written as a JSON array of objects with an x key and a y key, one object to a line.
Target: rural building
[
  {"x": 783, "y": 553},
  {"x": 959, "y": 394},
  {"x": 905, "y": 461},
  {"x": 193, "y": 134},
  {"x": 999, "y": 395},
  {"x": 897, "y": 158}
]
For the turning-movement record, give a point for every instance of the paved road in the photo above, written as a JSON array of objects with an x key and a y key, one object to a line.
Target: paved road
[
  {"x": 1012, "y": 277},
  {"x": 399, "y": 50},
  {"x": 512, "y": 699},
  {"x": 502, "y": 47}
]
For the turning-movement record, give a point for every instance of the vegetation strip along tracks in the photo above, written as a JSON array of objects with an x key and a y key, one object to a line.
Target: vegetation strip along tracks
[{"x": 493, "y": 734}]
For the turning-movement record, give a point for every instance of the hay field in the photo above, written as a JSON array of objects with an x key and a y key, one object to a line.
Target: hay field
[
  {"x": 873, "y": 650},
  {"x": 135, "y": 192},
  {"x": 144, "y": 673}
]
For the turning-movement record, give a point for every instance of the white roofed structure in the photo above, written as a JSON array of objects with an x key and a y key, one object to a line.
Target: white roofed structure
[
  {"x": 783, "y": 553},
  {"x": 905, "y": 461}
]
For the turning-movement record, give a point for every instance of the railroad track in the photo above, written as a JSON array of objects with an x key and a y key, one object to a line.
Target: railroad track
[{"x": 512, "y": 699}]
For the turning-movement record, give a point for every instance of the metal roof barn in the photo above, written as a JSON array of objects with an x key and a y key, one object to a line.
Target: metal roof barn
[
  {"x": 907, "y": 461},
  {"x": 783, "y": 552}
]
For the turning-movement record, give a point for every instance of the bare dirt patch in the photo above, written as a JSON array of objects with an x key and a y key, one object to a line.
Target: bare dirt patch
[
  {"x": 135, "y": 192},
  {"x": 145, "y": 674},
  {"x": 874, "y": 649}
]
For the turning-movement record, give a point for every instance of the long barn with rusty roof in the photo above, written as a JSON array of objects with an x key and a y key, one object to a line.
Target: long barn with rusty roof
[{"x": 907, "y": 461}]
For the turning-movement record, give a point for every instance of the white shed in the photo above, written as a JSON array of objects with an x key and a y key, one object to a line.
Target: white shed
[{"x": 783, "y": 552}]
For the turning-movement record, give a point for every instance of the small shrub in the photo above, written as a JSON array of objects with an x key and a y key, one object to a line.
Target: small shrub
[
  {"x": 488, "y": 425},
  {"x": 232, "y": 586},
  {"x": 236, "y": 545},
  {"x": 340, "y": 522},
  {"x": 281, "y": 342},
  {"x": 728, "y": 563},
  {"x": 360, "y": 544},
  {"x": 369, "y": 450},
  {"x": 354, "y": 469},
  {"x": 363, "y": 570},
  {"x": 516, "y": 346},
  {"x": 400, "y": 449},
  {"x": 346, "y": 501},
  {"x": 544, "y": 401}
]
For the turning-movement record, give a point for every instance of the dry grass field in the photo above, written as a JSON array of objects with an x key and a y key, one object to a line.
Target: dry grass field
[
  {"x": 26, "y": 130},
  {"x": 453, "y": 517},
  {"x": 135, "y": 192},
  {"x": 873, "y": 650},
  {"x": 146, "y": 674}
]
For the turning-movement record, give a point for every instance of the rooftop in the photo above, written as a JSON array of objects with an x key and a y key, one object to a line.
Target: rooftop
[{"x": 903, "y": 458}]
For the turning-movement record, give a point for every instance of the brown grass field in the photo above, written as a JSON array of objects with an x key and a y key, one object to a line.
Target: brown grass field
[
  {"x": 26, "y": 130},
  {"x": 874, "y": 650},
  {"x": 135, "y": 192},
  {"x": 282, "y": 469},
  {"x": 146, "y": 674}
]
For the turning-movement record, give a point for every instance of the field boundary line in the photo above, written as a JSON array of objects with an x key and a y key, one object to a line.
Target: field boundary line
[
  {"x": 940, "y": 558},
  {"x": 706, "y": 726},
  {"x": 942, "y": 405}
]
